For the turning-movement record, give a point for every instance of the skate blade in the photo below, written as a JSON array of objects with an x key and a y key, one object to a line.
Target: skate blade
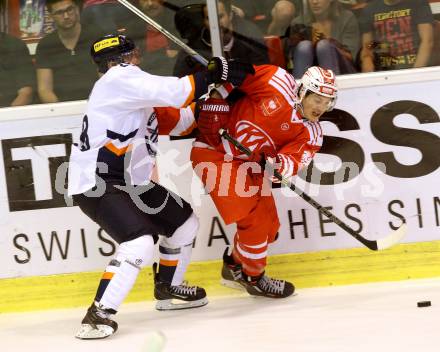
[
  {"x": 232, "y": 284},
  {"x": 88, "y": 332},
  {"x": 169, "y": 304}
]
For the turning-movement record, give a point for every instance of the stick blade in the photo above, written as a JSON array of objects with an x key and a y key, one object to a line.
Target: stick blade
[{"x": 393, "y": 238}]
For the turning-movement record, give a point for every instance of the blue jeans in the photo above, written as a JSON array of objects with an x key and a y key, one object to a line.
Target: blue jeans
[{"x": 325, "y": 54}]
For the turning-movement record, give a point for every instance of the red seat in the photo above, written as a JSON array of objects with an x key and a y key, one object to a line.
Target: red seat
[{"x": 275, "y": 50}]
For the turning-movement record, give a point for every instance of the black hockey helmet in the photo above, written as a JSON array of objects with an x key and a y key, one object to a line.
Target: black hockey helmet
[{"x": 110, "y": 47}]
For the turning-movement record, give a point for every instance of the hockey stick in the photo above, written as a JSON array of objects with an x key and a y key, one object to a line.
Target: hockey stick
[
  {"x": 194, "y": 54},
  {"x": 383, "y": 243}
]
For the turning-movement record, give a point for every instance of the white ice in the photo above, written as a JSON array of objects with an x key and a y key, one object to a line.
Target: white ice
[{"x": 358, "y": 318}]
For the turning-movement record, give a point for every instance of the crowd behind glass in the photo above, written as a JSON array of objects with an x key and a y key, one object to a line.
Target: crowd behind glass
[{"x": 347, "y": 36}]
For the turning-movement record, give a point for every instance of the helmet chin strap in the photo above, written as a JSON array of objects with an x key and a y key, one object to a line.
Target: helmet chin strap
[
  {"x": 299, "y": 105},
  {"x": 125, "y": 58}
]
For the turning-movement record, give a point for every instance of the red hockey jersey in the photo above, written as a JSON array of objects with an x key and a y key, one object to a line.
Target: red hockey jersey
[{"x": 266, "y": 117}]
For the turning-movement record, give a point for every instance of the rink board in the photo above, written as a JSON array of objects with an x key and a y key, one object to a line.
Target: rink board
[
  {"x": 379, "y": 166},
  {"x": 315, "y": 269}
]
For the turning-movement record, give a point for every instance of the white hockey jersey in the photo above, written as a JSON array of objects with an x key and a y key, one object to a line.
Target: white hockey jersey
[{"x": 120, "y": 131}]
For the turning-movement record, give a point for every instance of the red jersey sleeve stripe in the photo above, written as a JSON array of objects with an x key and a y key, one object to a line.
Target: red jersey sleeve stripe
[
  {"x": 285, "y": 86},
  {"x": 283, "y": 91},
  {"x": 291, "y": 80},
  {"x": 287, "y": 80}
]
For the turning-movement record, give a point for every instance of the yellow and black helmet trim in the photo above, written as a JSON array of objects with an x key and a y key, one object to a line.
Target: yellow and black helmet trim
[{"x": 110, "y": 47}]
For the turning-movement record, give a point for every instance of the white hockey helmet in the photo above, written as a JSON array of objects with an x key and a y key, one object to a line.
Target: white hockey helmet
[{"x": 320, "y": 81}]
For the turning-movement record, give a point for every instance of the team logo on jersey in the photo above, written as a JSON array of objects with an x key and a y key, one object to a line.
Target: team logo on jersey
[
  {"x": 252, "y": 136},
  {"x": 152, "y": 136},
  {"x": 284, "y": 126},
  {"x": 270, "y": 106}
]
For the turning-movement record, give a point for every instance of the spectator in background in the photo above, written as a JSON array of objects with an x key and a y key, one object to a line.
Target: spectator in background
[
  {"x": 326, "y": 35},
  {"x": 282, "y": 14},
  {"x": 159, "y": 53},
  {"x": 242, "y": 40},
  {"x": 64, "y": 69},
  {"x": 106, "y": 16},
  {"x": 272, "y": 16},
  {"x": 396, "y": 34},
  {"x": 17, "y": 75}
]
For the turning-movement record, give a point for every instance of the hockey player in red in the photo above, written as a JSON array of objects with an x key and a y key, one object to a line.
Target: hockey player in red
[{"x": 278, "y": 121}]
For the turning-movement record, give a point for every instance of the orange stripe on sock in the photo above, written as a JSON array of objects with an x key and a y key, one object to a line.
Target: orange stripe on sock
[
  {"x": 168, "y": 262},
  {"x": 107, "y": 275}
]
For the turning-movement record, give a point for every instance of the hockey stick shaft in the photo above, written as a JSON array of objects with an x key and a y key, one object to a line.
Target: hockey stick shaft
[
  {"x": 371, "y": 244},
  {"x": 194, "y": 54}
]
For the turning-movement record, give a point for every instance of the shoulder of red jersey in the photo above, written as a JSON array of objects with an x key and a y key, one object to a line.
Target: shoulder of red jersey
[
  {"x": 269, "y": 79},
  {"x": 282, "y": 81},
  {"x": 315, "y": 133}
]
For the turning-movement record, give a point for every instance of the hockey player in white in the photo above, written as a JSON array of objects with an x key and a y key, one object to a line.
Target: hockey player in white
[{"x": 109, "y": 178}]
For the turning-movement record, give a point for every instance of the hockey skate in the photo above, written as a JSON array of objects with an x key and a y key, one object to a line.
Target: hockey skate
[
  {"x": 177, "y": 297},
  {"x": 231, "y": 273},
  {"x": 97, "y": 324},
  {"x": 266, "y": 286},
  {"x": 262, "y": 285}
]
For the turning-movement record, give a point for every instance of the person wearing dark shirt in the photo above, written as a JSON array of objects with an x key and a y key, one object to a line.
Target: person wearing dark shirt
[
  {"x": 396, "y": 34},
  {"x": 158, "y": 52},
  {"x": 105, "y": 16},
  {"x": 242, "y": 40},
  {"x": 64, "y": 69},
  {"x": 272, "y": 16},
  {"x": 17, "y": 76}
]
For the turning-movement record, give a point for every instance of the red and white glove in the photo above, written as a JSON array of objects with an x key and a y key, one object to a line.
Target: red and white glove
[
  {"x": 284, "y": 165},
  {"x": 281, "y": 163},
  {"x": 212, "y": 115}
]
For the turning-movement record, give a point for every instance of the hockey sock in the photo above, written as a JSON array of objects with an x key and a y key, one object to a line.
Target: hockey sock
[
  {"x": 234, "y": 254},
  {"x": 252, "y": 257},
  {"x": 182, "y": 265},
  {"x": 173, "y": 263},
  {"x": 168, "y": 260},
  {"x": 175, "y": 252},
  {"x": 121, "y": 273}
]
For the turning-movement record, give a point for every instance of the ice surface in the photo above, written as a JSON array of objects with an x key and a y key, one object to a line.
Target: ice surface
[{"x": 358, "y": 318}]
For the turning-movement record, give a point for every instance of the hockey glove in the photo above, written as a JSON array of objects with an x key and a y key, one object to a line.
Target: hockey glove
[
  {"x": 262, "y": 155},
  {"x": 221, "y": 70},
  {"x": 212, "y": 115},
  {"x": 277, "y": 162},
  {"x": 283, "y": 165}
]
